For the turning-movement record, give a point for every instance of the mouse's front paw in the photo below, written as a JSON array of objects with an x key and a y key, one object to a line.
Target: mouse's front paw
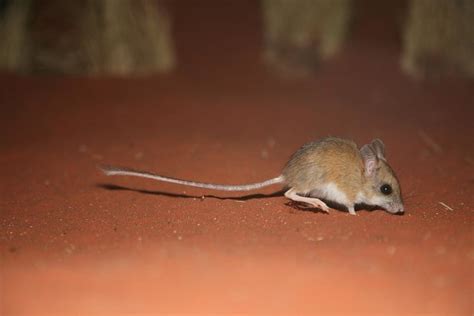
[{"x": 351, "y": 210}]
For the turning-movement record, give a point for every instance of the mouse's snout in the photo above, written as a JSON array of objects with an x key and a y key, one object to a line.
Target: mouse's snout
[{"x": 395, "y": 208}]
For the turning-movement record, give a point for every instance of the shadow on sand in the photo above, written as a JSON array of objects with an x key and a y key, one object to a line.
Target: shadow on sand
[{"x": 292, "y": 204}]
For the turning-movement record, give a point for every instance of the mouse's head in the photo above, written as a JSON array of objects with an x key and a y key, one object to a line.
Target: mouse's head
[{"x": 381, "y": 187}]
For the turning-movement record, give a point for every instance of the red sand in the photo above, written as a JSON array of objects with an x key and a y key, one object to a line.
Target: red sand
[{"x": 72, "y": 246}]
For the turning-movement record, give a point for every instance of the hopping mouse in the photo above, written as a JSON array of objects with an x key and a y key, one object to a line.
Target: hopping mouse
[{"x": 332, "y": 169}]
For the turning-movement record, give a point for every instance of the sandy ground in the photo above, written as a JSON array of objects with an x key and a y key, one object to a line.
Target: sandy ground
[{"x": 74, "y": 242}]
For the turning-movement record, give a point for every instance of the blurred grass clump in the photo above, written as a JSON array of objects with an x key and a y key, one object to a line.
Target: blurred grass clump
[
  {"x": 439, "y": 38},
  {"x": 118, "y": 37},
  {"x": 300, "y": 33},
  {"x": 14, "y": 35}
]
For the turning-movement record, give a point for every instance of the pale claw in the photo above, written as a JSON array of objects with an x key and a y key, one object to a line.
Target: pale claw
[
  {"x": 351, "y": 210},
  {"x": 321, "y": 205}
]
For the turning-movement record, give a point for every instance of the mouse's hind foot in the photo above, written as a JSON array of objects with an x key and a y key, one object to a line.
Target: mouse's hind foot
[{"x": 292, "y": 195}]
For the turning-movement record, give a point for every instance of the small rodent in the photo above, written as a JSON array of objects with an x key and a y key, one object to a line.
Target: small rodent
[{"x": 333, "y": 169}]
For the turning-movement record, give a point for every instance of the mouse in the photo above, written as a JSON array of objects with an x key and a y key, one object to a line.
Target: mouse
[{"x": 331, "y": 169}]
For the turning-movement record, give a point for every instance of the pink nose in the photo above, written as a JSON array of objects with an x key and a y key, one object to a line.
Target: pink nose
[{"x": 399, "y": 209}]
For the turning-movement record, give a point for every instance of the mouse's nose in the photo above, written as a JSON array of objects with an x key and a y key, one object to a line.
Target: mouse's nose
[
  {"x": 400, "y": 209},
  {"x": 396, "y": 209}
]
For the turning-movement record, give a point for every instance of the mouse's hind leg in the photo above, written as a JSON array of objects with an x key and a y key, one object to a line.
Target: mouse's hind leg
[{"x": 292, "y": 195}]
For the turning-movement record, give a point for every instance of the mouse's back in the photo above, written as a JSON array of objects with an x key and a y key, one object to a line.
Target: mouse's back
[{"x": 330, "y": 160}]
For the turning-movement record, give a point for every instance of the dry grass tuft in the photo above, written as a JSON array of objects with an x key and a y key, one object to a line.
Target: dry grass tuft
[
  {"x": 439, "y": 38},
  {"x": 118, "y": 37},
  {"x": 299, "y": 33},
  {"x": 124, "y": 37},
  {"x": 14, "y": 35}
]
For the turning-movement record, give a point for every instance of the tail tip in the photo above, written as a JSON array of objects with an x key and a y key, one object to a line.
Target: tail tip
[{"x": 106, "y": 169}]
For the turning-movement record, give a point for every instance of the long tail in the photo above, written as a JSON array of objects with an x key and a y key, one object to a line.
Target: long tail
[{"x": 119, "y": 171}]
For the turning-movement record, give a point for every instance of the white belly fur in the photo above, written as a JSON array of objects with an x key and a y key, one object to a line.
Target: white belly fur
[{"x": 332, "y": 193}]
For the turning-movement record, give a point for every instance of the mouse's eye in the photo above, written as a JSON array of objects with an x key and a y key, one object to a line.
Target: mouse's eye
[{"x": 386, "y": 189}]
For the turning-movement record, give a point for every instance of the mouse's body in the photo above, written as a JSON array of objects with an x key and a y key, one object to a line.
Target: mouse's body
[
  {"x": 332, "y": 169},
  {"x": 335, "y": 169}
]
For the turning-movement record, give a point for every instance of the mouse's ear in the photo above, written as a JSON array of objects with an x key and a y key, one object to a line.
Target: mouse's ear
[
  {"x": 370, "y": 159},
  {"x": 379, "y": 148}
]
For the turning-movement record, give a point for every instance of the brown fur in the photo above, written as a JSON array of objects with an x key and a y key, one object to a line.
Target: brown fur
[{"x": 328, "y": 160}]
